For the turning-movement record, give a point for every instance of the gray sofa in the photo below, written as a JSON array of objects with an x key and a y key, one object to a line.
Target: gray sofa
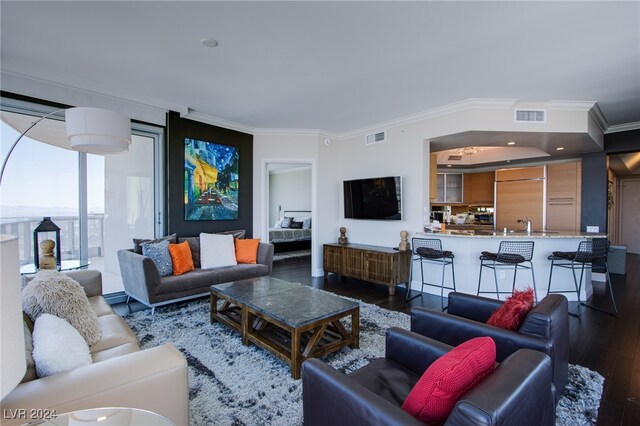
[{"x": 143, "y": 282}]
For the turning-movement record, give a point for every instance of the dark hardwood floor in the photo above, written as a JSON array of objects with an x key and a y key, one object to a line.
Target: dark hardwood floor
[{"x": 601, "y": 342}]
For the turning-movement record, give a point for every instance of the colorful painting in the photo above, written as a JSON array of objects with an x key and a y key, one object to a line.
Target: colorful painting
[{"x": 210, "y": 181}]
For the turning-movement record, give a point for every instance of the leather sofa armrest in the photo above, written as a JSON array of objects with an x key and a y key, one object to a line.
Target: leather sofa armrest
[
  {"x": 154, "y": 379},
  {"x": 140, "y": 275},
  {"x": 473, "y": 307},
  {"x": 265, "y": 255},
  {"x": 412, "y": 351},
  {"x": 330, "y": 397},
  {"x": 517, "y": 392},
  {"x": 89, "y": 279},
  {"x": 453, "y": 330}
]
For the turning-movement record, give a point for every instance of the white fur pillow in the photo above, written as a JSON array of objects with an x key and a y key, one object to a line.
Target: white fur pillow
[
  {"x": 57, "y": 346},
  {"x": 217, "y": 250},
  {"x": 52, "y": 292}
]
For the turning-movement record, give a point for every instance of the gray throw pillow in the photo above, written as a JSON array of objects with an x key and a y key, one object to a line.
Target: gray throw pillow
[
  {"x": 286, "y": 222},
  {"x": 52, "y": 292},
  {"x": 194, "y": 245},
  {"x": 137, "y": 242},
  {"x": 159, "y": 253}
]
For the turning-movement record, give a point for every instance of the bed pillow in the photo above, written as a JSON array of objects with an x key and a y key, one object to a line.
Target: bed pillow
[
  {"x": 295, "y": 225},
  {"x": 306, "y": 223},
  {"x": 181, "y": 259},
  {"x": 52, "y": 292},
  {"x": 449, "y": 377},
  {"x": 137, "y": 242},
  {"x": 247, "y": 250},
  {"x": 217, "y": 250},
  {"x": 159, "y": 253},
  {"x": 286, "y": 222},
  {"x": 57, "y": 346}
]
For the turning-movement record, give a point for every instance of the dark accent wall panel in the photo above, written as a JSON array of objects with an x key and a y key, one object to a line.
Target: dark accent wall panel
[
  {"x": 594, "y": 191},
  {"x": 621, "y": 142},
  {"x": 177, "y": 130}
]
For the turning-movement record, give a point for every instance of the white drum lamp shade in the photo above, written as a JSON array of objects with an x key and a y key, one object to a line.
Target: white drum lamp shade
[
  {"x": 13, "y": 358},
  {"x": 97, "y": 131}
]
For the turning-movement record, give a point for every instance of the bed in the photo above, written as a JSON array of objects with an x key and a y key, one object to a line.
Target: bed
[{"x": 284, "y": 237}]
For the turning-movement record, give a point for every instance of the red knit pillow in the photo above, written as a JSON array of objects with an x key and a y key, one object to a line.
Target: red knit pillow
[
  {"x": 513, "y": 311},
  {"x": 432, "y": 399}
]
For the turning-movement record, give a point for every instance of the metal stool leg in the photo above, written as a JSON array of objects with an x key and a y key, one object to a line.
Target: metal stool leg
[
  {"x": 408, "y": 295},
  {"x": 515, "y": 273},
  {"x": 495, "y": 277},
  {"x": 533, "y": 278},
  {"x": 444, "y": 265},
  {"x": 480, "y": 277}
]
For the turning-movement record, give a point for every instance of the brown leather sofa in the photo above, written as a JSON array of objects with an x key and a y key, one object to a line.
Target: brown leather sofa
[
  {"x": 545, "y": 329},
  {"x": 143, "y": 282},
  {"x": 122, "y": 375},
  {"x": 517, "y": 392}
]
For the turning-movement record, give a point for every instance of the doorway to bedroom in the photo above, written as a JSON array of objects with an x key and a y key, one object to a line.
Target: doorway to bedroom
[{"x": 290, "y": 209}]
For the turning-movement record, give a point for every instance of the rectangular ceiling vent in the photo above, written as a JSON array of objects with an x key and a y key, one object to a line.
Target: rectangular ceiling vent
[
  {"x": 531, "y": 116},
  {"x": 455, "y": 158},
  {"x": 375, "y": 138}
]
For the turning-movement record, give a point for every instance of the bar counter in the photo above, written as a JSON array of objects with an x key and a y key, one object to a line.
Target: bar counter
[{"x": 467, "y": 245}]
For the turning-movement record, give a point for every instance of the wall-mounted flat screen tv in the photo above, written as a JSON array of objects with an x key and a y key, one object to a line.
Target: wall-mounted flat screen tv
[{"x": 377, "y": 198}]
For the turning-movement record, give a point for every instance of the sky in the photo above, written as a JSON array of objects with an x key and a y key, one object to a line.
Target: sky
[{"x": 43, "y": 176}]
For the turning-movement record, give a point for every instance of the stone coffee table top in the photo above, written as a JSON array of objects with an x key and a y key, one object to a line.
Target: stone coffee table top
[{"x": 292, "y": 304}]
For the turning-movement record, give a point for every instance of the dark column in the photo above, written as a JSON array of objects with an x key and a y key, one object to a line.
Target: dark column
[{"x": 594, "y": 191}]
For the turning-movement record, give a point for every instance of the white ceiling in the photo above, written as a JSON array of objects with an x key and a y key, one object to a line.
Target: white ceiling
[{"x": 333, "y": 66}]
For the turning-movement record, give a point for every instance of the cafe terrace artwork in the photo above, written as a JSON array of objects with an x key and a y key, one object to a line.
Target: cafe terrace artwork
[{"x": 210, "y": 181}]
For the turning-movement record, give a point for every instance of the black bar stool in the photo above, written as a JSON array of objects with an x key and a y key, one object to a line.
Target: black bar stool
[
  {"x": 429, "y": 250},
  {"x": 590, "y": 252},
  {"x": 511, "y": 254}
]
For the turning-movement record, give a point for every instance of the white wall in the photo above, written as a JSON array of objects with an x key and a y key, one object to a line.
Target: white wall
[
  {"x": 289, "y": 190},
  {"x": 405, "y": 153}
]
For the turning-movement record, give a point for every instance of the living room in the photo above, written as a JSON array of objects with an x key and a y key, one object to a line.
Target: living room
[{"x": 297, "y": 83}]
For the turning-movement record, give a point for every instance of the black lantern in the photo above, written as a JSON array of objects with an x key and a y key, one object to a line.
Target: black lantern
[{"x": 44, "y": 227}]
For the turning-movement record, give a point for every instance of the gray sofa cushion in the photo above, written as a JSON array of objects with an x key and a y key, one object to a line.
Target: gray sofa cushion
[
  {"x": 203, "y": 278},
  {"x": 194, "y": 245},
  {"x": 137, "y": 242}
]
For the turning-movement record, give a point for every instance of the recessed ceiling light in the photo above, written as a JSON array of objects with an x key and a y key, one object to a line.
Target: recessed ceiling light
[
  {"x": 448, "y": 165},
  {"x": 209, "y": 42},
  {"x": 560, "y": 148},
  {"x": 511, "y": 143}
]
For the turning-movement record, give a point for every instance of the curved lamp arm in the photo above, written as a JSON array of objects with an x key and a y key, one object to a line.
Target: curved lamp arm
[
  {"x": 6, "y": 159},
  {"x": 92, "y": 130}
]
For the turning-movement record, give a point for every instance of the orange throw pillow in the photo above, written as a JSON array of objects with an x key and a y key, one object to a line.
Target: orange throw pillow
[
  {"x": 181, "y": 258},
  {"x": 247, "y": 250}
]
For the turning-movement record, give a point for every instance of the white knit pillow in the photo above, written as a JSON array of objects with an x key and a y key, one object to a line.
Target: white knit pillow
[
  {"x": 57, "y": 346},
  {"x": 217, "y": 250},
  {"x": 52, "y": 292}
]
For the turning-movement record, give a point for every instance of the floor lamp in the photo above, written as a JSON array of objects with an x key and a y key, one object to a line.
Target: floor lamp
[{"x": 91, "y": 130}]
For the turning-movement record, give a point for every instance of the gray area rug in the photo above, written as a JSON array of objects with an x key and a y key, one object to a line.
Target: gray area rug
[{"x": 232, "y": 384}]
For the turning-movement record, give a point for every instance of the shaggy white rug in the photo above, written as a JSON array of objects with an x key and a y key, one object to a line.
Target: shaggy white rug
[{"x": 232, "y": 384}]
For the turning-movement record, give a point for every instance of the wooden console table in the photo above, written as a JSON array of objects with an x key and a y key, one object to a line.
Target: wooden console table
[{"x": 381, "y": 265}]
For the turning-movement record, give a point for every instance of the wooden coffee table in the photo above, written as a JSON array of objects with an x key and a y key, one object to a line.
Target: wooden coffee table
[{"x": 292, "y": 321}]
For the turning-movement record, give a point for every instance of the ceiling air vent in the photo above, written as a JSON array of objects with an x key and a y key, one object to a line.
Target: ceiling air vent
[
  {"x": 375, "y": 138},
  {"x": 454, "y": 158},
  {"x": 531, "y": 116}
]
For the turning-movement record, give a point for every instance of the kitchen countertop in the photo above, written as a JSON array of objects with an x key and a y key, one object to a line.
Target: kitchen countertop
[{"x": 483, "y": 233}]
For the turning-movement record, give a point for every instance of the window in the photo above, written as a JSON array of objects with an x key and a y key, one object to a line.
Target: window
[{"x": 99, "y": 202}]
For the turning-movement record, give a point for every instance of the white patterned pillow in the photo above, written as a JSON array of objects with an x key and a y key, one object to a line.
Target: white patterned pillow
[
  {"x": 52, "y": 292},
  {"x": 57, "y": 346},
  {"x": 217, "y": 250},
  {"x": 159, "y": 253}
]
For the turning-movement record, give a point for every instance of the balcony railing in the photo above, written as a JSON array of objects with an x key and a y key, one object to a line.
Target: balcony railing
[{"x": 22, "y": 227}]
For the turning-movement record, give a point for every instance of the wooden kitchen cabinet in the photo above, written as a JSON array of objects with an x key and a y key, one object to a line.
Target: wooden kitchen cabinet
[
  {"x": 564, "y": 196},
  {"x": 478, "y": 188},
  {"x": 381, "y": 265},
  {"x": 433, "y": 177}
]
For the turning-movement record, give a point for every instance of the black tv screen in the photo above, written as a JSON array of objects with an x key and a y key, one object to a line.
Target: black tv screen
[{"x": 375, "y": 198}]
